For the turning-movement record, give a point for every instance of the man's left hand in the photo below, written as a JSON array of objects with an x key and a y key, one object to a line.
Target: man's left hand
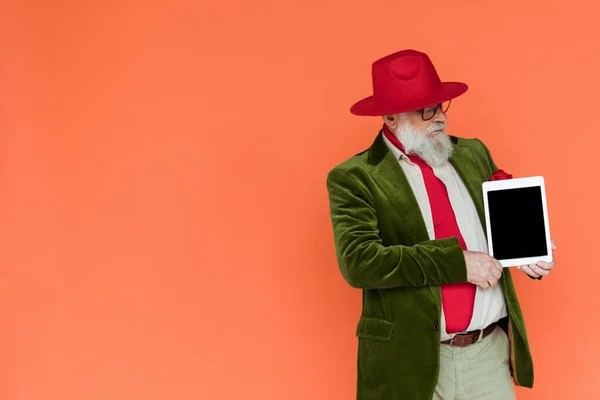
[{"x": 542, "y": 268}]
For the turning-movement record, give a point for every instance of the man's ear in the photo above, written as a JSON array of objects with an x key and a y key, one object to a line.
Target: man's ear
[{"x": 391, "y": 121}]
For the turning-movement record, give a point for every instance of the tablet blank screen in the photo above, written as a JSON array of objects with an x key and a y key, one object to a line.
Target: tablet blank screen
[{"x": 517, "y": 223}]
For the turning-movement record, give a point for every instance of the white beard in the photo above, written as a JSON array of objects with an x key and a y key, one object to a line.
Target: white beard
[{"x": 435, "y": 150}]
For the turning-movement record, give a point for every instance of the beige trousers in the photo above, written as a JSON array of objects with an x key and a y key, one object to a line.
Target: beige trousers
[{"x": 476, "y": 372}]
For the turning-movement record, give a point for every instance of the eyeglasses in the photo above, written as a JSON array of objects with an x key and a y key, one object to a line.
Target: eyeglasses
[{"x": 429, "y": 112}]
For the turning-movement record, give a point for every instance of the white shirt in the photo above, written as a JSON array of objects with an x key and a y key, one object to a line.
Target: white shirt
[{"x": 490, "y": 305}]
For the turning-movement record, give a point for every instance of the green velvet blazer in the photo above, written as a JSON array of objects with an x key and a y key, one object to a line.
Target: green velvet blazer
[{"x": 383, "y": 248}]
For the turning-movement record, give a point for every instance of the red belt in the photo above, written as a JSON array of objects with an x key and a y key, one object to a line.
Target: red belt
[{"x": 466, "y": 339}]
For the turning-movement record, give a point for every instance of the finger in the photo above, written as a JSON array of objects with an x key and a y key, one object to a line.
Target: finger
[
  {"x": 484, "y": 285},
  {"x": 496, "y": 274},
  {"x": 493, "y": 282},
  {"x": 546, "y": 265},
  {"x": 553, "y": 245},
  {"x": 498, "y": 265},
  {"x": 539, "y": 271},
  {"x": 527, "y": 269}
]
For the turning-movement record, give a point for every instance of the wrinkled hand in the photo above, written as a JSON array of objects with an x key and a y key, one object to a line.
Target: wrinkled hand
[
  {"x": 482, "y": 269},
  {"x": 542, "y": 268}
]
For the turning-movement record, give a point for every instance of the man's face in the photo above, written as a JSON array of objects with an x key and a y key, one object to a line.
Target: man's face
[
  {"x": 424, "y": 138},
  {"x": 435, "y": 117}
]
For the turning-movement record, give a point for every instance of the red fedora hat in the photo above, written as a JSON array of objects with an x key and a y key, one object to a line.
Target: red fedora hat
[{"x": 405, "y": 81}]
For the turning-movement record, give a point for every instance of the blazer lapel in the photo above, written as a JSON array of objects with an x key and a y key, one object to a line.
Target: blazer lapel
[
  {"x": 391, "y": 180},
  {"x": 465, "y": 165}
]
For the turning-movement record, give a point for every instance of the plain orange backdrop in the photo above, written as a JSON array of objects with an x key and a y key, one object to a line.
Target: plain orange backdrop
[{"x": 164, "y": 226}]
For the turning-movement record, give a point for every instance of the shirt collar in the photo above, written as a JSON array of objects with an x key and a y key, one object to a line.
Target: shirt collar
[{"x": 394, "y": 144}]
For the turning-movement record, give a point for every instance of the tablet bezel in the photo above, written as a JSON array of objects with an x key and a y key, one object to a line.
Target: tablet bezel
[{"x": 533, "y": 181}]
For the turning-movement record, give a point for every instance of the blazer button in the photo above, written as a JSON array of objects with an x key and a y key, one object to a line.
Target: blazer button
[{"x": 436, "y": 327}]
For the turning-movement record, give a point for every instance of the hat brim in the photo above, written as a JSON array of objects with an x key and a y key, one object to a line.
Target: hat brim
[{"x": 369, "y": 107}]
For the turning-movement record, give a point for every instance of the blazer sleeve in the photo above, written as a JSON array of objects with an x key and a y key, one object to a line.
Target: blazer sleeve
[{"x": 365, "y": 262}]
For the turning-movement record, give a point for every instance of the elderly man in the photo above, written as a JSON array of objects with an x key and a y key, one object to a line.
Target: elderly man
[{"x": 440, "y": 317}]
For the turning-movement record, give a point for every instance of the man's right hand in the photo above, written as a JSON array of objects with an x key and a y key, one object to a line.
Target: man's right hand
[{"x": 482, "y": 269}]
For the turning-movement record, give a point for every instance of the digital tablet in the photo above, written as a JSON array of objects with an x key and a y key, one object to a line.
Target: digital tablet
[{"x": 516, "y": 216}]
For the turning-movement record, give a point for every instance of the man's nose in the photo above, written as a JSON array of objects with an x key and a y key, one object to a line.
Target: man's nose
[{"x": 440, "y": 115}]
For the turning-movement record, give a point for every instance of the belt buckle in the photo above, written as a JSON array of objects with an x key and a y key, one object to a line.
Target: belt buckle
[
  {"x": 451, "y": 344},
  {"x": 455, "y": 336},
  {"x": 479, "y": 336}
]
